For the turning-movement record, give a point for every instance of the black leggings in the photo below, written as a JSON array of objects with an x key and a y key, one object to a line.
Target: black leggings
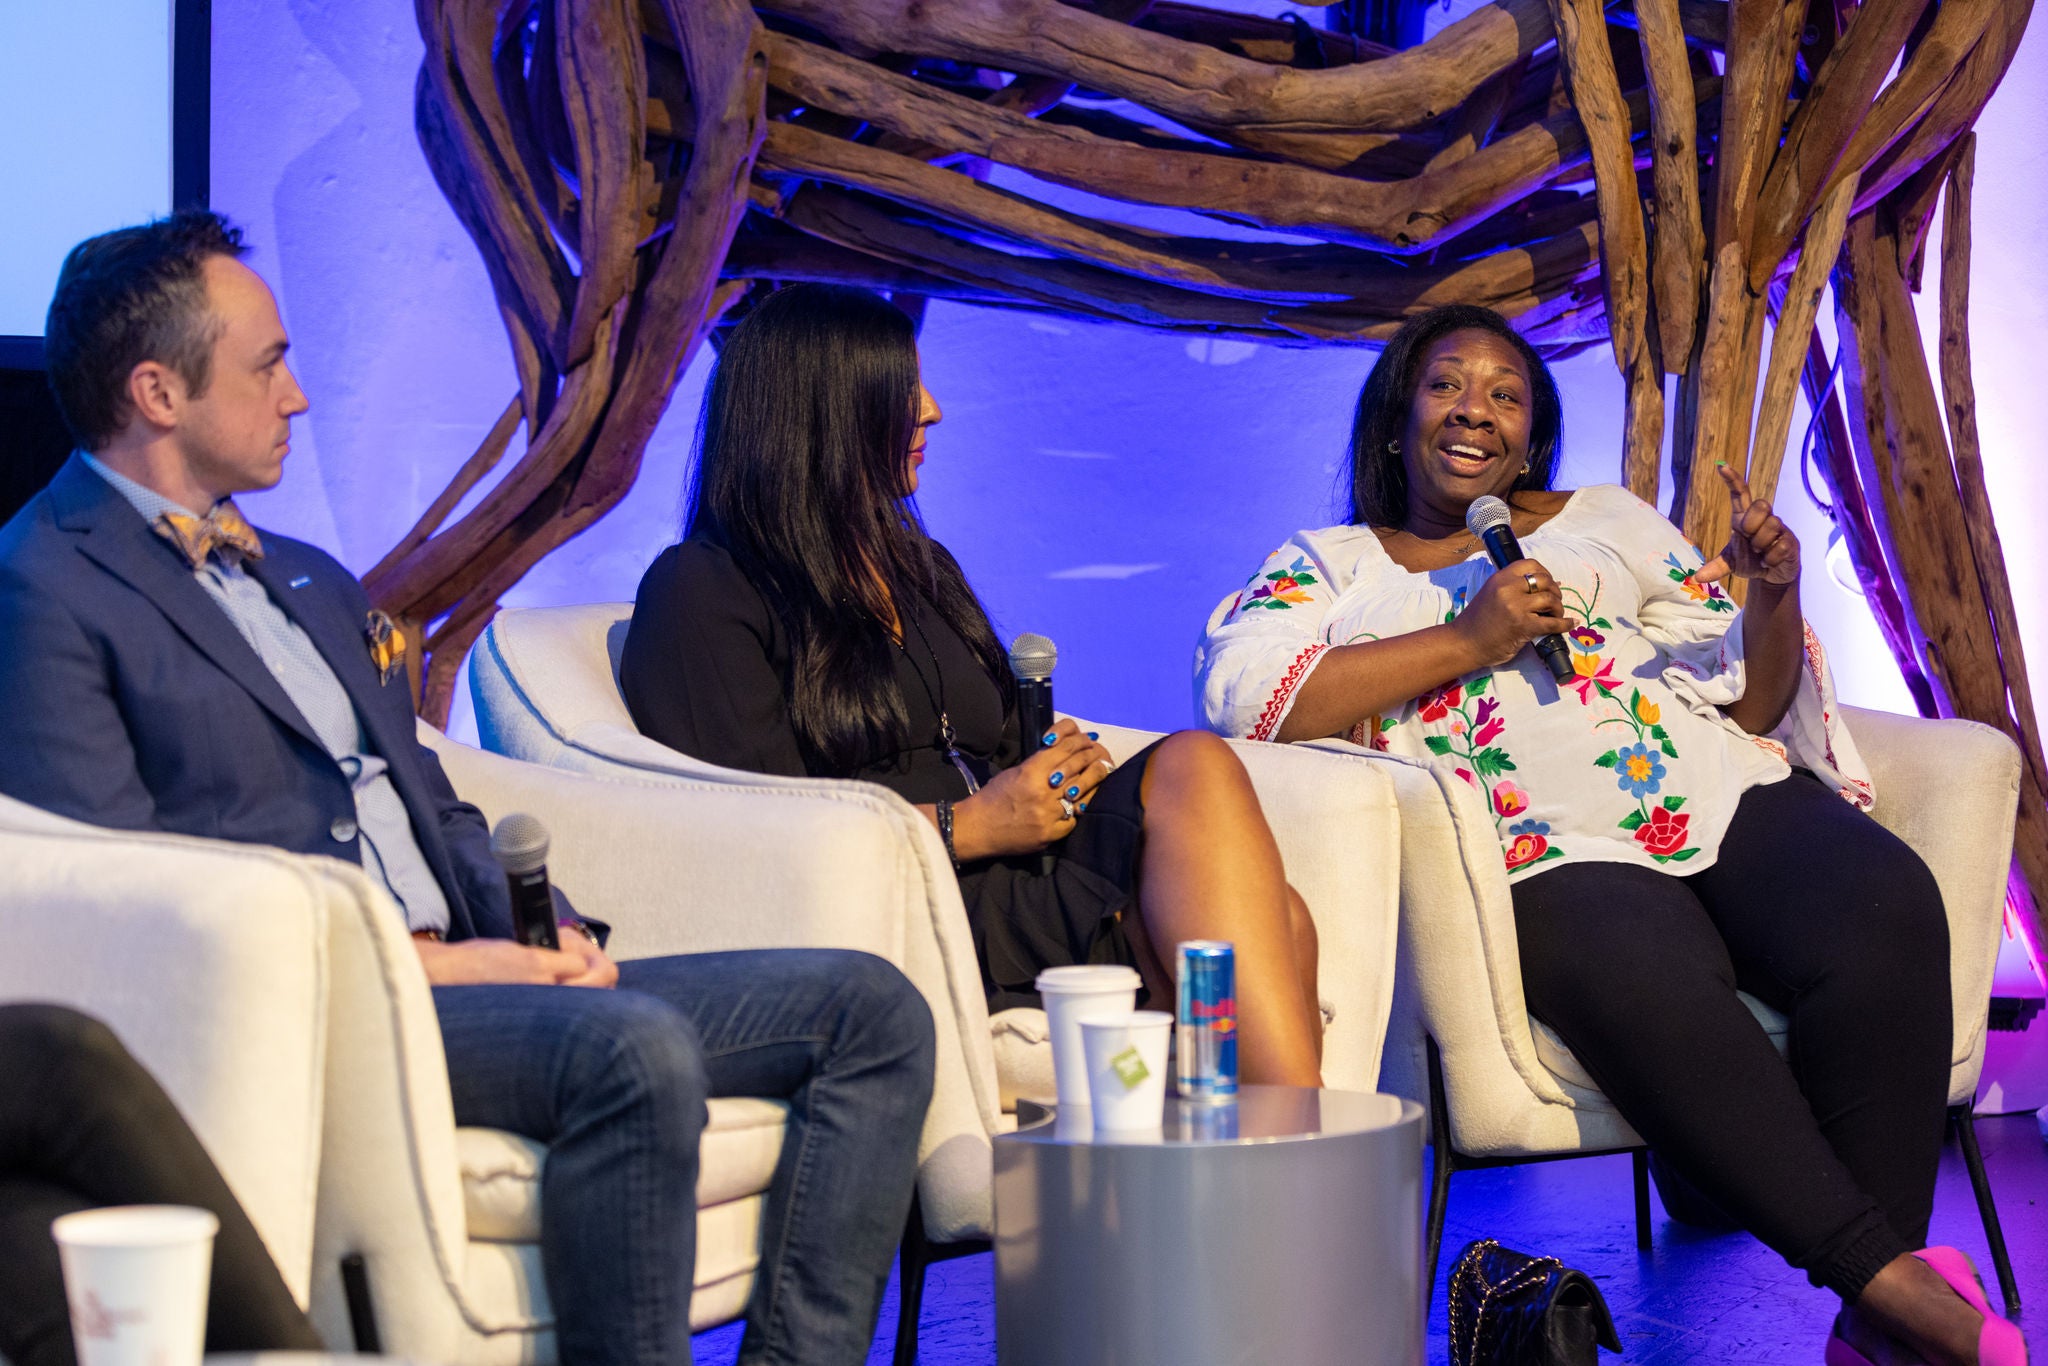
[
  {"x": 1821, "y": 913},
  {"x": 82, "y": 1125}
]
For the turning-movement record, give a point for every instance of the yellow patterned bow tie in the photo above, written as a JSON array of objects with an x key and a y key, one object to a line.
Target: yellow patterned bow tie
[{"x": 197, "y": 537}]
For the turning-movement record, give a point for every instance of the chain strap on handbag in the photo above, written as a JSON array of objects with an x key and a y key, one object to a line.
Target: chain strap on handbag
[{"x": 1508, "y": 1309}]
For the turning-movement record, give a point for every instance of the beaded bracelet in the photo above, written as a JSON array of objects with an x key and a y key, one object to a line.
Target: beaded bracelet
[{"x": 945, "y": 812}]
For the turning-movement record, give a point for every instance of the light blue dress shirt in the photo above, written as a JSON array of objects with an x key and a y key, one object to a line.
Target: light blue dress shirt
[{"x": 390, "y": 852}]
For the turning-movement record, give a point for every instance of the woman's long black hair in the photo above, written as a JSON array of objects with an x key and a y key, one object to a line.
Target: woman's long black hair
[
  {"x": 802, "y": 454},
  {"x": 1379, "y": 481}
]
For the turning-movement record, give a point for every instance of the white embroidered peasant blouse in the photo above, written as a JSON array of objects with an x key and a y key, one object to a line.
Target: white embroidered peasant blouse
[{"x": 1632, "y": 761}]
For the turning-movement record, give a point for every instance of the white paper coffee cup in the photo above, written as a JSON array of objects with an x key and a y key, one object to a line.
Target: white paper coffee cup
[
  {"x": 1127, "y": 1069},
  {"x": 1072, "y": 994},
  {"x": 136, "y": 1278}
]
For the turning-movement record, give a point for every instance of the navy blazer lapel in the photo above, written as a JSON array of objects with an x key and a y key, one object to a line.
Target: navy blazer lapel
[{"x": 117, "y": 539}]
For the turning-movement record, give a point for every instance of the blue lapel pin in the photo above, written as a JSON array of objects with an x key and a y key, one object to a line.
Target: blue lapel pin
[{"x": 301, "y": 581}]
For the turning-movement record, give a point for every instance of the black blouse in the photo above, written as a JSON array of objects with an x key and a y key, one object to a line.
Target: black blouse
[{"x": 703, "y": 666}]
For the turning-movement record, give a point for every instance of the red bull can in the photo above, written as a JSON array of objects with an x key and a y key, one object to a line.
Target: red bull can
[{"x": 1205, "y": 1042}]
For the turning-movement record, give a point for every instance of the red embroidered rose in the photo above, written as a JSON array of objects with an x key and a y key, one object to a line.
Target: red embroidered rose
[
  {"x": 1437, "y": 705},
  {"x": 1664, "y": 832},
  {"x": 1526, "y": 849}
]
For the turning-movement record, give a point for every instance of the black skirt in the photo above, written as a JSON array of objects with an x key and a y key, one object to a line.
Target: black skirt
[{"x": 1025, "y": 920}]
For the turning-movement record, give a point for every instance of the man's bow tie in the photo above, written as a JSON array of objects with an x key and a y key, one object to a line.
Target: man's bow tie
[{"x": 197, "y": 537}]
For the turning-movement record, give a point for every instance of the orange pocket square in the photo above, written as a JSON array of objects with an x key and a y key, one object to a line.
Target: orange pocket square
[{"x": 387, "y": 646}]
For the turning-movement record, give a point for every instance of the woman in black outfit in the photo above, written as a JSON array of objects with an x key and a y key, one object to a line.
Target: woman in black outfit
[
  {"x": 83, "y": 1126},
  {"x": 808, "y": 626}
]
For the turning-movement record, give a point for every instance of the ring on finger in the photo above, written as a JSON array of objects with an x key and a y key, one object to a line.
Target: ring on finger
[
  {"x": 1066, "y": 809},
  {"x": 1530, "y": 579}
]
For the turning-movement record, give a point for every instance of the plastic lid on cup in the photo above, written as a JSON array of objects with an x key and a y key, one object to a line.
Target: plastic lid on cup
[
  {"x": 135, "y": 1226},
  {"x": 1080, "y": 977}
]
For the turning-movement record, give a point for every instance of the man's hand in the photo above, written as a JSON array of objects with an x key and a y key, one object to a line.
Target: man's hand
[
  {"x": 599, "y": 971},
  {"x": 500, "y": 962}
]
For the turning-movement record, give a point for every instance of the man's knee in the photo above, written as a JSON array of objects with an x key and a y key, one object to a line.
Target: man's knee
[
  {"x": 887, "y": 1012},
  {"x": 635, "y": 1053}
]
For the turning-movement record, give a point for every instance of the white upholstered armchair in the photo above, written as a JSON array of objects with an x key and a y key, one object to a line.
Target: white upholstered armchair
[
  {"x": 1501, "y": 1088},
  {"x": 546, "y": 690},
  {"x": 298, "y": 1036}
]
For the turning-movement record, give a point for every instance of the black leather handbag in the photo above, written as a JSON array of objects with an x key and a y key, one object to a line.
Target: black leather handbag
[{"x": 1511, "y": 1310}]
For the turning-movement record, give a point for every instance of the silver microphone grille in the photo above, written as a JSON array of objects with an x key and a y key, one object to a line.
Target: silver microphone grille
[
  {"x": 1486, "y": 513},
  {"x": 520, "y": 843},
  {"x": 1032, "y": 658}
]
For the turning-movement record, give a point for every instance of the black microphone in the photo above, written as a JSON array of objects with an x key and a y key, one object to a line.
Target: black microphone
[
  {"x": 1031, "y": 661},
  {"x": 520, "y": 845},
  {"x": 1489, "y": 519}
]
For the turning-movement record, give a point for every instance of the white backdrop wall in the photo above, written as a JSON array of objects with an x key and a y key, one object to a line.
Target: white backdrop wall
[{"x": 1102, "y": 484}]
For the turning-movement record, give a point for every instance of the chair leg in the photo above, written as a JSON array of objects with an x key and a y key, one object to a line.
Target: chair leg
[
  {"x": 362, "y": 1313},
  {"x": 1994, "y": 1234},
  {"x": 913, "y": 1259},
  {"x": 1640, "y": 1160},
  {"x": 1441, "y": 1163}
]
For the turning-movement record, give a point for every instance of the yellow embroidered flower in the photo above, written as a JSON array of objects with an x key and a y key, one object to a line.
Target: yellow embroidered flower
[
  {"x": 1647, "y": 711},
  {"x": 1585, "y": 666}
]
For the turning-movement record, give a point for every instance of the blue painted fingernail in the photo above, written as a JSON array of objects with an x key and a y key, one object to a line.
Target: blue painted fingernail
[
  {"x": 1093, "y": 735},
  {"x": 1073, "y": 792},
  {"x": 1082, "y": 807},
  {"x": 1055, "y": 780},
  {"x": 1048, "y": 738}
]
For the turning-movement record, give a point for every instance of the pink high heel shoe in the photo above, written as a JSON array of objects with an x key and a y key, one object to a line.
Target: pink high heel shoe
[
  {"x": 1999, "y": 1342},
  {"x": 1840, "y": 1353}
]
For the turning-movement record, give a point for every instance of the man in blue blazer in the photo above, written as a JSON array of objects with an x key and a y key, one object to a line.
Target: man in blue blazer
[{"x": 164, "y": 666}]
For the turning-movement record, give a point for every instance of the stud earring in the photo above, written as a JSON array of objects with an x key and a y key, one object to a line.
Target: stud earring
[
  {"x": 1525, "y": 467},
  {"x": 1393, "y": 448}
]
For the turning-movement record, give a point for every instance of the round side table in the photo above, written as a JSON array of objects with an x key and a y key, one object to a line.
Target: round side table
[{"x": 1284, "y": 1227}]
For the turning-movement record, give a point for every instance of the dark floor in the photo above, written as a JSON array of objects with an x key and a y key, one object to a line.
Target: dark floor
[{"x": 1708, "y": 1299}]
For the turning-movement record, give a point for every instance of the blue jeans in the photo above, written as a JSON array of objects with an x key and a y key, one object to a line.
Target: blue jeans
[{"x": 615, "y": 1083}]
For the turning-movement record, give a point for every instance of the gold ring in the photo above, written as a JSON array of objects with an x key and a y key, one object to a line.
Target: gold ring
[{"x": 1530, "y": 579}]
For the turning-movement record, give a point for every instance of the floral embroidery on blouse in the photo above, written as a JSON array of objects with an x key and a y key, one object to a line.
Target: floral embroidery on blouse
[
  {"x": 1707, "y": 595},
  {"x": 1282, "y": 589}
]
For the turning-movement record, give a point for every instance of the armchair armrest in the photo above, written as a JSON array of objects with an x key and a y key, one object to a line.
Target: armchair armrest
[
  {"x": 209, "y": 961},
  {"x": 1950, "y": 789}
]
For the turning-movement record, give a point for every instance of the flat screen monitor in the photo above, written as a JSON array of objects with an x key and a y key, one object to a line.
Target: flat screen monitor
[{"x": 103, "y": 123}]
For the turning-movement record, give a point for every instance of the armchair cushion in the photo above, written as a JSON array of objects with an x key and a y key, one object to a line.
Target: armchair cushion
[{"x": 501, "y": 1172}]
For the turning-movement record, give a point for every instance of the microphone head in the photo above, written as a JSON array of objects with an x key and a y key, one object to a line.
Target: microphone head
[
  {"x": 1486, "y": 513},
  {"x": 1032, "y": 658},
  {"x": 520, "y": 843}
]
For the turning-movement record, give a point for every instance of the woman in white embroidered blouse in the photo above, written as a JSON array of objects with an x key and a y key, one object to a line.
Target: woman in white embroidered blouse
[{"x": 1682, "y": 818}]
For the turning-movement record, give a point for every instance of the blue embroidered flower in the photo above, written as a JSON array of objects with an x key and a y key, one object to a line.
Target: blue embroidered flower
[
  {"x": 1529, "y": 827},
  {"x": 1639, "y": 770}
]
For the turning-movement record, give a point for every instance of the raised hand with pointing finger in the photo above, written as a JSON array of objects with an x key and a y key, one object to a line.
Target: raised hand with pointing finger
[{"x": 1760, "y": 545}]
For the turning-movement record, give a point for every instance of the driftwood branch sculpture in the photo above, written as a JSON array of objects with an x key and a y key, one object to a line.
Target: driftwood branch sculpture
[{"x": 1664, "y": 177}]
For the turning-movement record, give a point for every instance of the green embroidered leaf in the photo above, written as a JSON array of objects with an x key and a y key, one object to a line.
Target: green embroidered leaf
[
  {"x": 1606, "y": 688},
  {"x": 1478, "y": 685},
  {"x": 1608, "y": 760},
  {"x": 1635, "y": 701},
  {"x": 1673, "y": 803},
  {"x": 1683, "y": 854},
  {"x": 1550, "y": 853},
  {"x": 1632, "y": 821},
  {"x": 1658, "y": 733},
  {"x": 1603, "y": 623},
  {"x": 1491, "y": 762},
  {"x": 1670, "y": 750},
  {"x": 1438, "y": 744}
]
